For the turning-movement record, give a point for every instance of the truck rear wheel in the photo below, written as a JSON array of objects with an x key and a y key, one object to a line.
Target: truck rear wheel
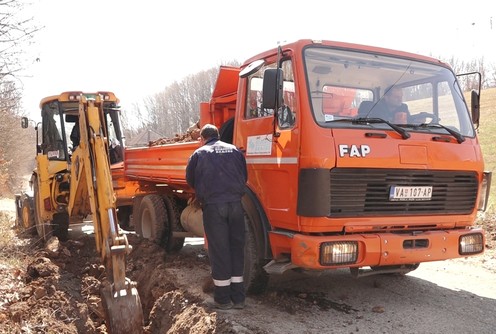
[
  {"x": 174, "y": 218},
  {"x": 152, "y": 218},
  {"x": 135, "y": 219}
]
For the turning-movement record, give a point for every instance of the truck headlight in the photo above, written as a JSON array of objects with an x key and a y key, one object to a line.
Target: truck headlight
[
  {"x": 471, "y": 244},
  {"x": 484, "y": 191},
  {"x": 338, "y": 252}
]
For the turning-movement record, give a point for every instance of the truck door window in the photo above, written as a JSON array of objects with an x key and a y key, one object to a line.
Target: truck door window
[{"x": 287, "y": 112}]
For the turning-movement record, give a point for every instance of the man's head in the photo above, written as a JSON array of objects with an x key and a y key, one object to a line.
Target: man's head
[
  {"x": 209, "y": 131},
  {"x": 393, "y": 96}
]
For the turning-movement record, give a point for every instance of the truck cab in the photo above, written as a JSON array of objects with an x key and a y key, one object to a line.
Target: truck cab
[{"x": 335, "y": 182}]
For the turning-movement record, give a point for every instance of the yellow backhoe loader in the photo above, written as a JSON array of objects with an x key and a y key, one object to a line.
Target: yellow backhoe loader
[{"x": 79, "y": 139}]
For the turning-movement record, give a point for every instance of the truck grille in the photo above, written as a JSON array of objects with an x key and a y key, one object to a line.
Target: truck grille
[{"x": 365, "y": 192}]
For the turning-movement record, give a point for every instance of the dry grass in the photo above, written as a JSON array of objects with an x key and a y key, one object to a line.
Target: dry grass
[
  {"x": 11, "y": 266},
  {"x": 11, "y": 254},
  {"x": 487, "y": 138}
]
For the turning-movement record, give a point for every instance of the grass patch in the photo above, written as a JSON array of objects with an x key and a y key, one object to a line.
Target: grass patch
[{"x": 487, "y": 138}]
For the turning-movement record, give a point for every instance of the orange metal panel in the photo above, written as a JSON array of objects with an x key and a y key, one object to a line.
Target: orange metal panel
[
  {"x": 227, "y": 81},
  {"x": 162, "y": 164},
  {"x": 374, "y": 249}
]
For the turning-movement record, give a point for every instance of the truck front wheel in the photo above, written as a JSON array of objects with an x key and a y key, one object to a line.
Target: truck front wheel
[
  {"x": 255, "y": 276},
  {"x": 172, "y": 244}
]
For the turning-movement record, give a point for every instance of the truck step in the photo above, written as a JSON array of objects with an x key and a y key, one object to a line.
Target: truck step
[{"x": 278, "y": 267}]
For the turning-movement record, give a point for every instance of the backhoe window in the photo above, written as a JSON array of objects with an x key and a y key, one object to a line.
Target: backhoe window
[
  {"x": 52, "y": 142},
  {"x": 114, "y": 138}
]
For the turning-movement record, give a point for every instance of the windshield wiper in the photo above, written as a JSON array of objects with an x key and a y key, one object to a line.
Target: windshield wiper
[
  {"x": 459, "y": 137},
  {"x": 365, "y": 120}
]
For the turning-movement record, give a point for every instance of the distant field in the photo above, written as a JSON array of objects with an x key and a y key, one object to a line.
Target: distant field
[{"x": 487, "y": 137}]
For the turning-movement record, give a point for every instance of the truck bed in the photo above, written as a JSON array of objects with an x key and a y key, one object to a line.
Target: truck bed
[{"x": 160, "y": 164}]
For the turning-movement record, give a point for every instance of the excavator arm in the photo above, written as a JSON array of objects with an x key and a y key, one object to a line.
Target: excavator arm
[{"x": 91, "y": 175}]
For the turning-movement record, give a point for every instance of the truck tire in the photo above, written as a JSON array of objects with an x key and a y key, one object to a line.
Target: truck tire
[
  {"x": 174, "y": 218},
  {"x": 255, "y": 276},
  {"x": 43, "y": 228},
  {"x": 27, "y": 215},
  {"x": 153, "y": 218},
  {"x": 135, "y": 219}
]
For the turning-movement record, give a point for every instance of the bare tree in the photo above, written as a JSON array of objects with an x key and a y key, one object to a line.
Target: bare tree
[
  {"x": 173, "y": 110},
  {"x": 17, "y": 147},
  {"x": 176, "y": 108},
  {"x": 487, "y": 71},
  {"x": 492, "y": 76},
  {"x": 132, "y": 120},
  {"x": 16, "y": 33}
]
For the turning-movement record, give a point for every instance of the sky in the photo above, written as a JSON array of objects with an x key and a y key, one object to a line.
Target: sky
[{"x": 137, "y": 48}]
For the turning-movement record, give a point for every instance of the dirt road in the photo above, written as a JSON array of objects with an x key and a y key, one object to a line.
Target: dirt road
[
  {"x": 439, "y": 298},
  {"x": 61, "y": 291},
  {"x": 456, "y": 296}
]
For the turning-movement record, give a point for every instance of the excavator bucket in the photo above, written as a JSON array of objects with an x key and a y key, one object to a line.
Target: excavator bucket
[{"x": 123, "y": 311}]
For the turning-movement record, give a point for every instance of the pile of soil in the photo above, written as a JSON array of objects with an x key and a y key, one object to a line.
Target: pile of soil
[{"x": 60, "y": 290}]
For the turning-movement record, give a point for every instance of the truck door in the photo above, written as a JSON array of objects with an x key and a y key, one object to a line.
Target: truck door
[{"x": 270, "y": 142}]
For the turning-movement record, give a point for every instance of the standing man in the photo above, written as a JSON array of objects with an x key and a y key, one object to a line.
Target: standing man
[{"x": 217, "y": 172}]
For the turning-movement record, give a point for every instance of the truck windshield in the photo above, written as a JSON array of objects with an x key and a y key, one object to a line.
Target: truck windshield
[{"x": 402, "y": 91}]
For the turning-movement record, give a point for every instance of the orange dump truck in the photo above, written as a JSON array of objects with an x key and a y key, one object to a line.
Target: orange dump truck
[{"x": 331, "y": 184}]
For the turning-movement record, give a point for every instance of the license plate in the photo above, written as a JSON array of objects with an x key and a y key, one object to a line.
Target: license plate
[{"x": 401, "y": 193}]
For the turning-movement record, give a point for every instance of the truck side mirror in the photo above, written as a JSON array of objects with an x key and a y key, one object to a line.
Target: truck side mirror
[
  {"x": 475, "y": 107},
  {"x": 24, "y": 122},
  {"x": 272, "y": 88}
]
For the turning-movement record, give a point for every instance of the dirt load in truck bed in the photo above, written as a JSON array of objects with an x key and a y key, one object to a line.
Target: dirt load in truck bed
[{"x": 192, "y": 134}]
